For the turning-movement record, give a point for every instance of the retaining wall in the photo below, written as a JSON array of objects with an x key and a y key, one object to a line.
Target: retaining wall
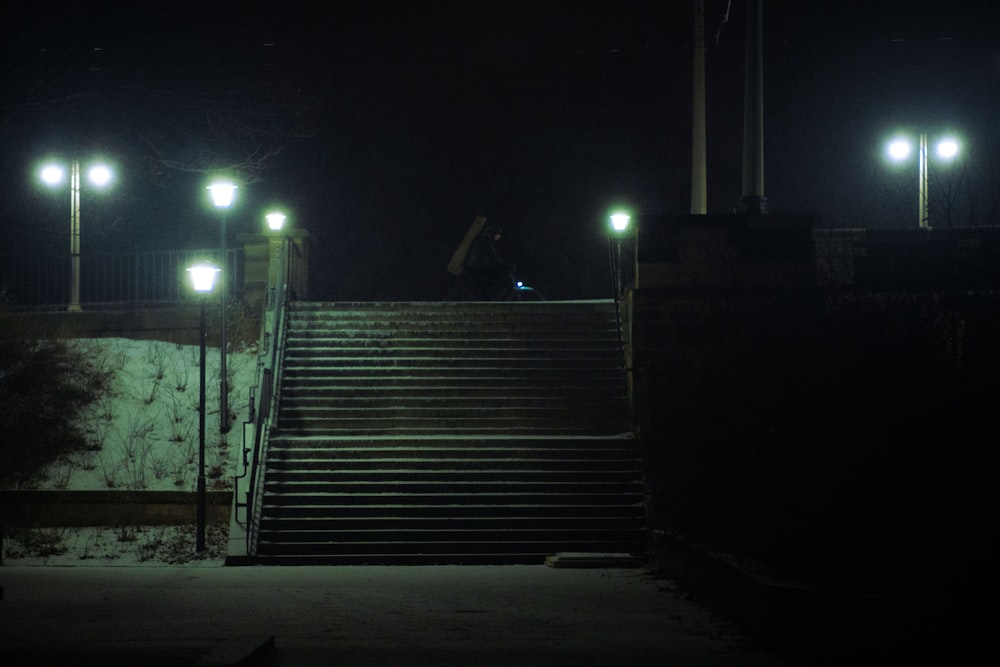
[{"x": 109, "y": 508}]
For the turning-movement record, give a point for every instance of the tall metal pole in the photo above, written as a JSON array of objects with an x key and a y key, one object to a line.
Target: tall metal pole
[
  {"x": 924, "y": 209},
  {"x": 753, "y": 201},
  {"x": 74, "y": 238},
  {"x": 618, "y": 260},
  {"x": 698, "y": 169},
  {"x": 200, "y": 534},
  {"x": 224, "y": 343}
]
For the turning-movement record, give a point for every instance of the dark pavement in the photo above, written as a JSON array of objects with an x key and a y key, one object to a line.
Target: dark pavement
[{"x": 353, "y": 616}]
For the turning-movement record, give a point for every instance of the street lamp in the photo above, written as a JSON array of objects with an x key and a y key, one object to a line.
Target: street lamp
[
  {"x": 53, "y": 174},
  {"x": 276, "y": 259},
  {"x": 275, "y": 221},
  {"x": 223, "y": 193},
  {"x": 202, "y": 278},
  {"x": 276, "y": 273},
  {"x": 899, "y": 149},
  {"x": 619, "y": 225}
]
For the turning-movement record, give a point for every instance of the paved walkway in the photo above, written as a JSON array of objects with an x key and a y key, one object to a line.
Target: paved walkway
[{"x": 354, "y": 616}]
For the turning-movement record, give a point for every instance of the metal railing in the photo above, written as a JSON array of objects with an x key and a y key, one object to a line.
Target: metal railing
[
  {"x": 107, "y": 279},
  {"x": 265, "y": 400}
]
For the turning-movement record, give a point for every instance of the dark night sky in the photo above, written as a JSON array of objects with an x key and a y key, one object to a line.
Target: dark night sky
[{"x": 398, "y": 122}]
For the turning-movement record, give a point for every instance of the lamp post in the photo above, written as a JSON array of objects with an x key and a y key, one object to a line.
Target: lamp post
[
  {"x": 202, "y": 281},
  {"x": 619, "y": 225},
  {"x": 222, "y": 196},
  {"x": 53, "y": 174},
  {"x": 276, "y": 260},
  {"x": 899, "y": 150}
]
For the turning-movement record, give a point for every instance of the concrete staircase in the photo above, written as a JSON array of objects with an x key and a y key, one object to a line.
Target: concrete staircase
[{"x": 462, "y": 433}]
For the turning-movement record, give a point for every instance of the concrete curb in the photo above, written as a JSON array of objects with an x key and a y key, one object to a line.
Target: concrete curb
[{"x": 239, "y": 652}]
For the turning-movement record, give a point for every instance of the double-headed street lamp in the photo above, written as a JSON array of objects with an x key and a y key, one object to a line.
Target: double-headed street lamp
[
  {"x": 899, "y": 150},
  {"x": 202, "y": 278},
  {"x": 53, "y": 174},
  {"x": 223, "y": 193}
]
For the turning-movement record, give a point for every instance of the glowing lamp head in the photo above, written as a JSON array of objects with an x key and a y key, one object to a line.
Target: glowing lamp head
[
  {"x": 275, "y": 221},
  {"x": 100, "y": 175},
  {"x": 947, "y": 149},
  {"x": 899, "y": 149},
  {"x": 53, "y": 174},
  {"x": 619, "y": 221},
  {"x": 222, "y": 194},
  {"x": 203, "y": 277}
]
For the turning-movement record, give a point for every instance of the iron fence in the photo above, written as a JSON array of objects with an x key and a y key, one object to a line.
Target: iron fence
[{"x": 139, "y": 278}]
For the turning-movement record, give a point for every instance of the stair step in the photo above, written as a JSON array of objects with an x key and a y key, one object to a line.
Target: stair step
[
  {"x": 431, "y": 430},
  {"x": 399, "y": 521},
  {"x": 363, "y": 465},
  {"x": 423, "y": 433},
  {"x": 541, "y": 547},
  {"x": 551, "y": 511},
  {"x": 420, "y": 412},
  {"x": 378, "y": 496}
]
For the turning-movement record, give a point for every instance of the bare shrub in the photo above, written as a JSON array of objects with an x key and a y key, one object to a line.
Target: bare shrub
[
  {"x": 110, "y": 466},
  {"x": 136, "y": 447},
  {"x": 35, "y": 543},
  {"x": 92, "y": 545},
  {"x": 180, "y": 374},
  {"x": 156, "y": 355},
  {"x": 60, "y": 473},
  {"x": 45, "y": 385}
]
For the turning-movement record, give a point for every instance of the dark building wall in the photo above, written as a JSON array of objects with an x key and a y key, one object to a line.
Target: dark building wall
[{"x": 811, "y": 397}]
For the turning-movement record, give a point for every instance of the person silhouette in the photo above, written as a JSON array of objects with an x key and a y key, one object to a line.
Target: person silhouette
[{"x": 487, "y": 268}]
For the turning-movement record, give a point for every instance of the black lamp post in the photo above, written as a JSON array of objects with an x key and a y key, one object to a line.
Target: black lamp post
[
  {"x": 222, "y": 196},
  {"x": 202, "y": 280},
  {"x": 619, "y": 226}
]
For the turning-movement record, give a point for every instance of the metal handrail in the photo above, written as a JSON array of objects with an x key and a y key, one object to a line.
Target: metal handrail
[
  {"x": 617, "y": 293},
  {"x": 269, "y": 379}
]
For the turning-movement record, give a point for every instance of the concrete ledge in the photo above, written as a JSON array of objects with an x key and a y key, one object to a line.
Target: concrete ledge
[{"x": 109, "y": 508}]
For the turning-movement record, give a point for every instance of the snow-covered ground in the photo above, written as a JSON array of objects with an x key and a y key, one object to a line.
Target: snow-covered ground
[{"x": 143, "y": 435}]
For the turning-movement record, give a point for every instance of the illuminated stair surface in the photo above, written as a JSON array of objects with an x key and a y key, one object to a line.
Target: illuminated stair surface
[{"x": 450, "y": 433}]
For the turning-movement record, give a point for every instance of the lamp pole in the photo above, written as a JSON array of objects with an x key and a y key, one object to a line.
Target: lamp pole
[
  {"x": 53, "y": 174},
  {"x": 619, "y": 223},
  {"x": 899, "y": 150},
  {"x": 224, "y": 335},
  {"x": 276, "y": 257},
  {"x": 753, "y": 201},
  {"x": 924, "y": 221},
  {"x": 222, "y": 196},
  {"x": 74, "y": 237},
  {"x": 202, "y": 280},
  {"x": 200, "y": 534}
]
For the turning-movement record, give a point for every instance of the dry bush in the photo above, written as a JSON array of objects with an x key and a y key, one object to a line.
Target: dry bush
[{"x": 44, "y": 385}]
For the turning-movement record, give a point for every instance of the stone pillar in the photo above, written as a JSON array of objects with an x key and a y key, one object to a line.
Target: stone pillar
[
  {"x": 262, "y": 256},
  {"x": 256, "y": 260}
]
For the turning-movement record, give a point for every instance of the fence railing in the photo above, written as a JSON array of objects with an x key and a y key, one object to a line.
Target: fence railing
[{"x": 139, "y": 278}]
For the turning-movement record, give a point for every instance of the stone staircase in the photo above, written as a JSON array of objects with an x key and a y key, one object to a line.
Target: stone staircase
[{"x": 461, "y": 433}]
